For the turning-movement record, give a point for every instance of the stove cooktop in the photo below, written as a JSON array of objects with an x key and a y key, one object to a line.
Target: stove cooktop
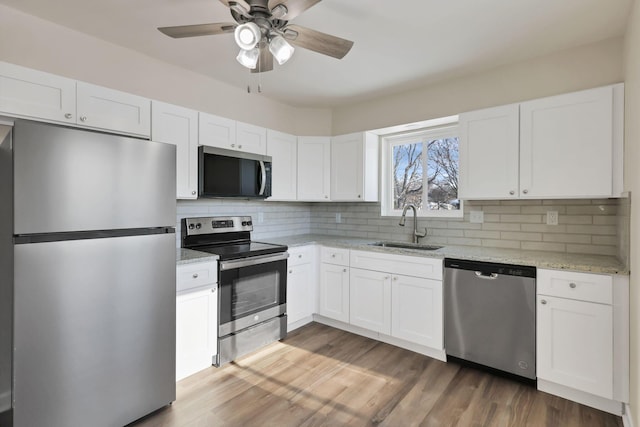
[{"x": 241, "y": 250}]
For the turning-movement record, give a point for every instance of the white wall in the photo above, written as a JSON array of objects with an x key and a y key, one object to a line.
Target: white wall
[
  {"x": 632, "y": 182},
  {"x": 35, "y": 43},
  {"x": 585, "y": 67}
]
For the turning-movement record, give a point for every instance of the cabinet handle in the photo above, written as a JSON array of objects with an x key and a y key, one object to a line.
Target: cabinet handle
[
  {"x": 68, "y": 116},
  {"x": 233, "y": 145},
  {"x": 395, "y": 278},
  {"x": 326, "y": 197},
  {"x": 572, "y": 285},
  {"x": 543, "y": 302},
  {"x": 300, "y": 256},
  {"x": 359, "y": 196},
  {"x": 386, "y": 277},
  {"x": 83, "y": 118},
  {"x": 512, "y": 192},
  {"x": 344, "y": 270},
  {"x": 333, "y": 255},
  {"x": 193, "y": 193},
  {"x": 525, "y": 191},
  {"x": 195, "y": 275},
  {"x": 290, "y": 271},
  {"x": 240, "y": 146}
]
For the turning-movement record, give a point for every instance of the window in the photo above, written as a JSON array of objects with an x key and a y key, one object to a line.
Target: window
[{"x": 420, "y": 167}]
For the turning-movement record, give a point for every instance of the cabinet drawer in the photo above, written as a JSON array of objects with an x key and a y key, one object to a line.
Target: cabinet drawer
[
  {"x": 189, "y": 276},
  {"x": 300, "y": 255},
  {"x": 429, "y": 268},
  {"x": 334, "y": 256},
  {"x": 578, "y": 286}
]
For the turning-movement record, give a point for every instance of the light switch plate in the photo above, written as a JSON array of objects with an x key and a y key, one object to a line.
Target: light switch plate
[{"x": 476, "y": 217}]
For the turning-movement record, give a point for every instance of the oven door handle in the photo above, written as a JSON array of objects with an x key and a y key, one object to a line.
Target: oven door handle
[{"x": 247, "y": 262}]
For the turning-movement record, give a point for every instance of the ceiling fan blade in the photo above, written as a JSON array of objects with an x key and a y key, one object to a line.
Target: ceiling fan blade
[
  {"x": 181, "y": 31},
  {"x": 294, "y": 7},
  {"x": 316, "y": 41},
  {"x": 265, "y": 62}
]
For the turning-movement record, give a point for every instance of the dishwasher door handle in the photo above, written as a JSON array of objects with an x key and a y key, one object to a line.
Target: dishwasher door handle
[{"x": 492, "y": 276}]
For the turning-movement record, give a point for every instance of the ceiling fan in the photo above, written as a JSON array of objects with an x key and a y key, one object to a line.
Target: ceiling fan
[{"x": 262, "y": 31}]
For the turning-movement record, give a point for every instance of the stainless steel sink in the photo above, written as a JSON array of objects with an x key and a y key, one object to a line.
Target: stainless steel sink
[{"x": 398, "y": 245}]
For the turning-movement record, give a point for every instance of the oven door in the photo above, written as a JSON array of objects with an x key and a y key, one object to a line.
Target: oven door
[{"x": 251, "y": 290}]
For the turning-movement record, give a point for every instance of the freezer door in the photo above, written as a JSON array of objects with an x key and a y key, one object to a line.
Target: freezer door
[
  {"x": 94, "y": 330},
  {"x": 70, "y": 180},
  {"x": 6, "y": 273}
]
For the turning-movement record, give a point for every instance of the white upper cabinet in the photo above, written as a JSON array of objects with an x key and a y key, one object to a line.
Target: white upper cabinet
[
  {"x": 354, "y": 167},
  {"x": 283, "y": 149},
  {"x": 216, "y": 131},
  {"x": 102, "y": 108},
  {"x": 314, "y": 168},
  {"x": 179, "y": 126},
  {"x": 565, "y": 146},
  {"x": 225, "y": 133},
  {"x": 34, "y": 94},
  {"x": 251, "y": 138},
  {"x": 489, "y": 155},
  {"x": 42, "y": 96}
]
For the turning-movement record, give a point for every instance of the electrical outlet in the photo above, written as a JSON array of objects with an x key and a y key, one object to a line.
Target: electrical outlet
[
  {"x": 260, "y": 217},
  {"x": 338, "y": 217},
  {"x": 552, "y": 217},
  {"x": 476, "y": 217}
]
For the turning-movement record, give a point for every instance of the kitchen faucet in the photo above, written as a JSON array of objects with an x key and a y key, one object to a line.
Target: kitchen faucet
[{"x": 416, "y": 234}]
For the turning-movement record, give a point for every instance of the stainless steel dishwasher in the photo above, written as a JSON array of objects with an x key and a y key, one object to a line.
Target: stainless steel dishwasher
[{"x": 489, "y": 315}]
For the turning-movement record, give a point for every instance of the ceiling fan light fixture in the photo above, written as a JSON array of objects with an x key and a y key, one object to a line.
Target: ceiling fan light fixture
[
  {"x": 279, "y": 11},
  {"x": 247, "y": 35},
  {"x": 249, "y": 58},
  {"x": 281, "y": 49}
]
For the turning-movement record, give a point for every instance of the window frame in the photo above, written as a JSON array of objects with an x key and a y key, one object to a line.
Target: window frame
[{"x": 388, "y": 141}]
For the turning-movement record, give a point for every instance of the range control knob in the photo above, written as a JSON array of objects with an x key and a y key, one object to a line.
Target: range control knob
[
  {"x": 244, "y": 223},
  {"x": 191, "y": 226},
  {"x": 249, "y": 223},
  {"x": 198, "y": 226}
]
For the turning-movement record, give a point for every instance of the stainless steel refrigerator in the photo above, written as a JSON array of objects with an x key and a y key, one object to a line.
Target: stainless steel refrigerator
[{"x": 93, "y": 276}]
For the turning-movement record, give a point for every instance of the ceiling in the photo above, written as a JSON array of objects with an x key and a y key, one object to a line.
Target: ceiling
[{"x": 398, "y": 45}]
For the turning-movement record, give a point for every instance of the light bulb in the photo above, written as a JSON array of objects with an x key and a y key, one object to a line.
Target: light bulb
[
  {"x": 281, "y": 49},
  {"x": 249, "y": 58},
  {"x": 247, "y": 35}
]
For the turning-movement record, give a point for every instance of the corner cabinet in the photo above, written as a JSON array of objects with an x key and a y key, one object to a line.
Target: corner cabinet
[
  {"x": 354, "y": 167},
  {"x": 42, "y": 96},
  {"x": 176, "y": 125},
  {"x": 283, "y": 149},
  {"x": 582, "y": 335},
  {"x": 565, "y": 146},
  {"x": 314, "y": 168}
]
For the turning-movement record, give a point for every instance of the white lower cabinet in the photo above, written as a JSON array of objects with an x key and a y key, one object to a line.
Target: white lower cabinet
[
  {"x": 300, "y": 286},
  {"x": 582, "y": 336},
  {"x": 416, "y": 307},
  {"x": 334, "y": 284},
  {"x": 370, "y": 300},
  {"x": 196, "y": 331},
  {"x": 196, "y": 317}
]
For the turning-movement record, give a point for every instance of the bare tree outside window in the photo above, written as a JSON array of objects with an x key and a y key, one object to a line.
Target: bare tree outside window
[{"x": 439, "y": 158}]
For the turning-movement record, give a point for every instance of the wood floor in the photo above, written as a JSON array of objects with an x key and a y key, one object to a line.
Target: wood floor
[{"x": 321, "y": 376}]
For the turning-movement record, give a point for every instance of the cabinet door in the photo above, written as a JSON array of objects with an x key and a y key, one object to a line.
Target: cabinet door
[
  {"x": 489, "y": 141},
  {"x": 566, "y": 145},
  {"x": 314, "y": 168},
  {"x": 370, "y": 300},
  {"x": 575, "y": 344},
  {"x": 34, "y": 94},
  {"x": 347, "y": 157},
  {"x": 417, "y": 310},
  {"x": 216, "y": 131},
  {"x": 103, "y": 108},
  {"x": 250, "y": 138},
  {"x": 283, "y": 149},
  {"x": 299, "y": 292},
  {"x": 196, "y": 331},
  {"x": 334, "y": 292},
  {"x": 179, "y": 126}
]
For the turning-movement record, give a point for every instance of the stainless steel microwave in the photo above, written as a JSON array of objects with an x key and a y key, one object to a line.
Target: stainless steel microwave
[{"x": 228, "y": 173}]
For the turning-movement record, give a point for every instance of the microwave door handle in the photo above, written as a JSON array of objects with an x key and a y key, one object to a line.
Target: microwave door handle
[{"x": 263, "y": 178}]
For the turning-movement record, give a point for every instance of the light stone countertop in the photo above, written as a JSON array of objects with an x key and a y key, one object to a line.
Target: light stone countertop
[
  {"x": 188, "y": 256},
  {"x": 541, "y": 259}
]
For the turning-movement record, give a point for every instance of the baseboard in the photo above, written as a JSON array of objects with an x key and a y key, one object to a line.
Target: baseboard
[
  {"x": 606, "y": 405},
  {"x": 627, "y": 418},
  {"x": 295, "y": 325},
  {"x": 417, "y": 348}
]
